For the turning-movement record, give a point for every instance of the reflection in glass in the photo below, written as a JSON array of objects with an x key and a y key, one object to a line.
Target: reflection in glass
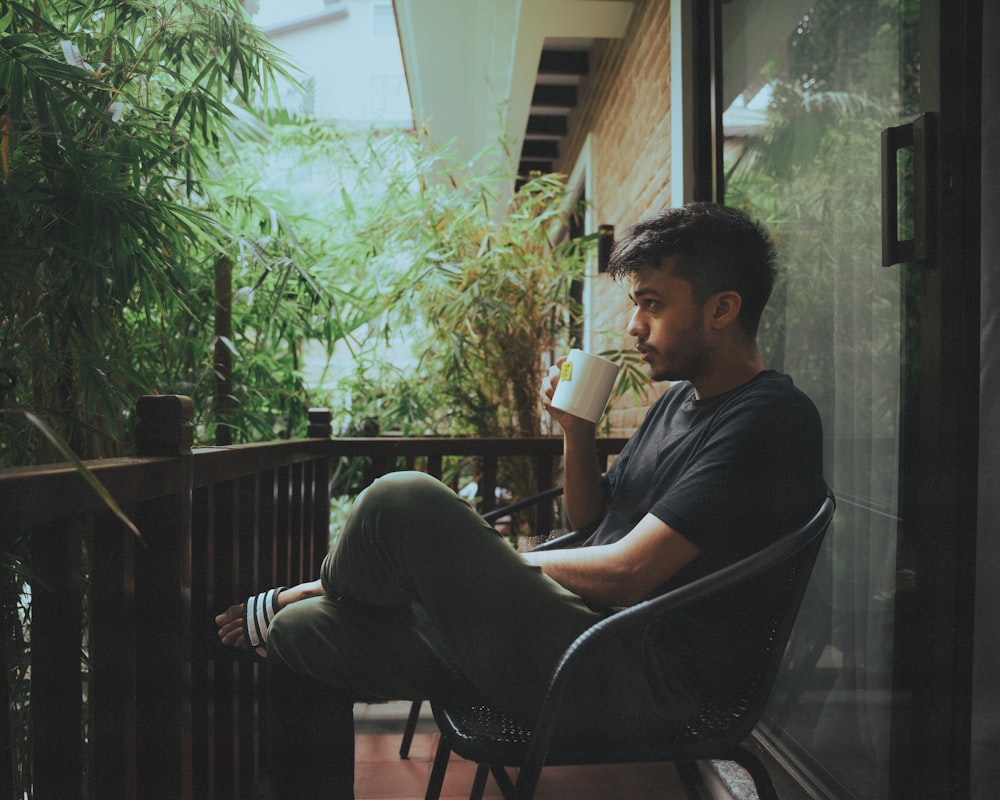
[{"x": 808, "y": 87}]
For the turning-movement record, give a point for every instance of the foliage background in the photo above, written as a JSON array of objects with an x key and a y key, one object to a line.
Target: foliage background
[
  {"x": 127, "y": 184},
  {"x": 110, "y": 115},
  {"x": 139, "y": 161}
]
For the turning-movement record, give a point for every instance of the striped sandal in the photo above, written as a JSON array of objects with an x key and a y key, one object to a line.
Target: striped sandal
[{"x": 258, "y": 611}]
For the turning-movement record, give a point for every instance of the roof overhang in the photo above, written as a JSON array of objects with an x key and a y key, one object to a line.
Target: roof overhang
[{"x": 476, "y": 71}]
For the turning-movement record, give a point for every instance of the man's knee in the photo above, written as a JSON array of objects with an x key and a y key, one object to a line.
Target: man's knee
[
  {"x": 405, "y": 489},
  {"x": 404, "y": 500},
  {"x": 396, "y": 525}
]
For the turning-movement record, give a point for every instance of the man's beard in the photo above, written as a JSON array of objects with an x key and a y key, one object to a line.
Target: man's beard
[{"x": 689, "y": 357}]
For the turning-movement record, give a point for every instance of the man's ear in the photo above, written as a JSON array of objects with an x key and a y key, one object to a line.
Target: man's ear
[{"x": 724, "y": 308}]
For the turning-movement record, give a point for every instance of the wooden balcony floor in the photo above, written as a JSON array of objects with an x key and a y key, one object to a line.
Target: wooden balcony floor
[{"x": 380, "y": 774}]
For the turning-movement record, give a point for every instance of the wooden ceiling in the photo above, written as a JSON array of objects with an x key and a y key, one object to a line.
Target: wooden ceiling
[{"x": 562, "y": 66}]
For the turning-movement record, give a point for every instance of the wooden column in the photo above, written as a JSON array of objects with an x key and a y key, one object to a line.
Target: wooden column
[
  {"x": 222, "y": 407},
  {"x": 163, "y": 606}
]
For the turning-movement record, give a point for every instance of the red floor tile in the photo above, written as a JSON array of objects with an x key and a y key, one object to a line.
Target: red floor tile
[{"x": 380, "y": 774}]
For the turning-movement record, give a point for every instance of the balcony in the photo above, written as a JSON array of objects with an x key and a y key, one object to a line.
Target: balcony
[{"x": 131, "y": 696}]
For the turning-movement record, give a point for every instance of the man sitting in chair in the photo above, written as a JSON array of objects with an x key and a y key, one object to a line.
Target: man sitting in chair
[{"x": 421, "y": 599}]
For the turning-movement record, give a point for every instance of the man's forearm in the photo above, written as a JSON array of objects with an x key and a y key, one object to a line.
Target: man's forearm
[{"x": 582, "y": 490}]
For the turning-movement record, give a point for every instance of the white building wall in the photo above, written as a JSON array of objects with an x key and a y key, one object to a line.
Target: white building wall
[{"x": 347, "y": 56}]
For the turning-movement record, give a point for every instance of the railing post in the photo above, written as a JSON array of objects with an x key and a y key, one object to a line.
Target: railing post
[
  {"x": 488, "y": 483},
  {"x": 545, "y": 475},
  {"x": 164, "y": 427},
  {"x": 163, "y": 605},
  {"x": 319, "y": 423},
  {"x": 56, "y": 701},
  {"x": 319, "y": 427},
  {"x": 111, "y": 710}
]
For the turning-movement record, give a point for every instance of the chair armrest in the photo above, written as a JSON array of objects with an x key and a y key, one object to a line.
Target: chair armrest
[
  {"x": 528, "y": 502},
  {"x": 570, "y": 539}
]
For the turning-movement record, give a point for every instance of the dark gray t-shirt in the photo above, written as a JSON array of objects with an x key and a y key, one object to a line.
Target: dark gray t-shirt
[{"x": 730, "y": 473}]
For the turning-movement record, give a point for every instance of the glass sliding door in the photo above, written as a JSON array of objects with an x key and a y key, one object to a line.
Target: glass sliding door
[{"x": 807, "y": 88}]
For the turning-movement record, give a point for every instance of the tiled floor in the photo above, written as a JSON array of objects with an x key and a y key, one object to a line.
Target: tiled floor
[{"x": 380, "y": 774}]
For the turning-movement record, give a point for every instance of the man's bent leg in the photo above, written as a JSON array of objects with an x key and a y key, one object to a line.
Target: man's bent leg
[
  {"x": 411, "y": 539},
  {"x": 325, "y": 655},
  {"x": 310, "y": 737}
]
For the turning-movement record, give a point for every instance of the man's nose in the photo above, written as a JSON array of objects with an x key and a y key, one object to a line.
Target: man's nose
[{"x": 637, "y": 324}]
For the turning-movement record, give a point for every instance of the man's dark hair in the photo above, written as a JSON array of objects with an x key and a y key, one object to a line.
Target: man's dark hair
[{"x": 717, "y": 249}]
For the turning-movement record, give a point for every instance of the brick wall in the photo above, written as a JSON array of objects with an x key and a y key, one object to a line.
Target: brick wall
[{"x": 624, "y": 106}]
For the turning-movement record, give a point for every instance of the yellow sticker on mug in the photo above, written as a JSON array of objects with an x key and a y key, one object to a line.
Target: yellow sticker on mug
[{"x": 566, "y": 373}]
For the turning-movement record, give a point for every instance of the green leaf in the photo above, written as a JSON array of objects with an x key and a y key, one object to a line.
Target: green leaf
[{"x": 88, "y": 476}]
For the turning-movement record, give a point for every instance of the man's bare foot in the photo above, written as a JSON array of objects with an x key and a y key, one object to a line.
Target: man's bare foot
[
  {"x": 230, "y": 624},
  {"x": 230, "y": 621}
]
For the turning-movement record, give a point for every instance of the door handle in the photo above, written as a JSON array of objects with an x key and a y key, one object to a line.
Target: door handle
[{"x": 920, "y": 135}]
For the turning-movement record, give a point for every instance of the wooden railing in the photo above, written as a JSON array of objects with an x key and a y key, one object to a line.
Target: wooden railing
[{"x": 164, "y": 710}]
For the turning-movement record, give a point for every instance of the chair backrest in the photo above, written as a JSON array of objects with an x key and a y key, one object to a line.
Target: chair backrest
[
  {"x": 727, "y": 630},
  {"x": 732, "y": 660}
]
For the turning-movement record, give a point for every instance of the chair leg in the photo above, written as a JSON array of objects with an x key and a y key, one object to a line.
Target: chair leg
[
  {"x": 527, "y": 782},
  {"x": 687, "y": 771},
  {"x": 411, "y": 727},
  {"x": 503, "y": 781},
  {"x": 757, "y": 771},
  {"x": 479, "y": 784},
  {"x": 436, "y": 780}
]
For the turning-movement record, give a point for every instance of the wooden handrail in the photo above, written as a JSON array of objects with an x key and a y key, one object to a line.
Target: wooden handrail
[{"x": 35, "y": 495}]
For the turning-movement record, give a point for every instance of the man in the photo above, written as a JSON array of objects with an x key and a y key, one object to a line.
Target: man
[{"x": 421, "y": 599}]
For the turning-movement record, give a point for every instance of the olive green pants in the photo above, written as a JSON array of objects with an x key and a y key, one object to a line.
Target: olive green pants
[{"x": 425, "y": 600}]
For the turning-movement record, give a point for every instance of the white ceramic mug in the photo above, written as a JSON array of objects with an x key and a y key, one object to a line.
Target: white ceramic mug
[{"x": 585, "y": 384}]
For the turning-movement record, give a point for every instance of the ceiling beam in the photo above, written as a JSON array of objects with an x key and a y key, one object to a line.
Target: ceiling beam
[
  {"x": 564, "y": 62},
  {"x": 547, "y": 125},
  {"x": 554, "y": 96},
  {"x": 540, "y": 148}
]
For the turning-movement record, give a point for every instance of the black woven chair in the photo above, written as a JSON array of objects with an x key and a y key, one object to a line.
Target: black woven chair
[
  {"x": 779, "y": 574},
  {"x": 413, "y": 718}
]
